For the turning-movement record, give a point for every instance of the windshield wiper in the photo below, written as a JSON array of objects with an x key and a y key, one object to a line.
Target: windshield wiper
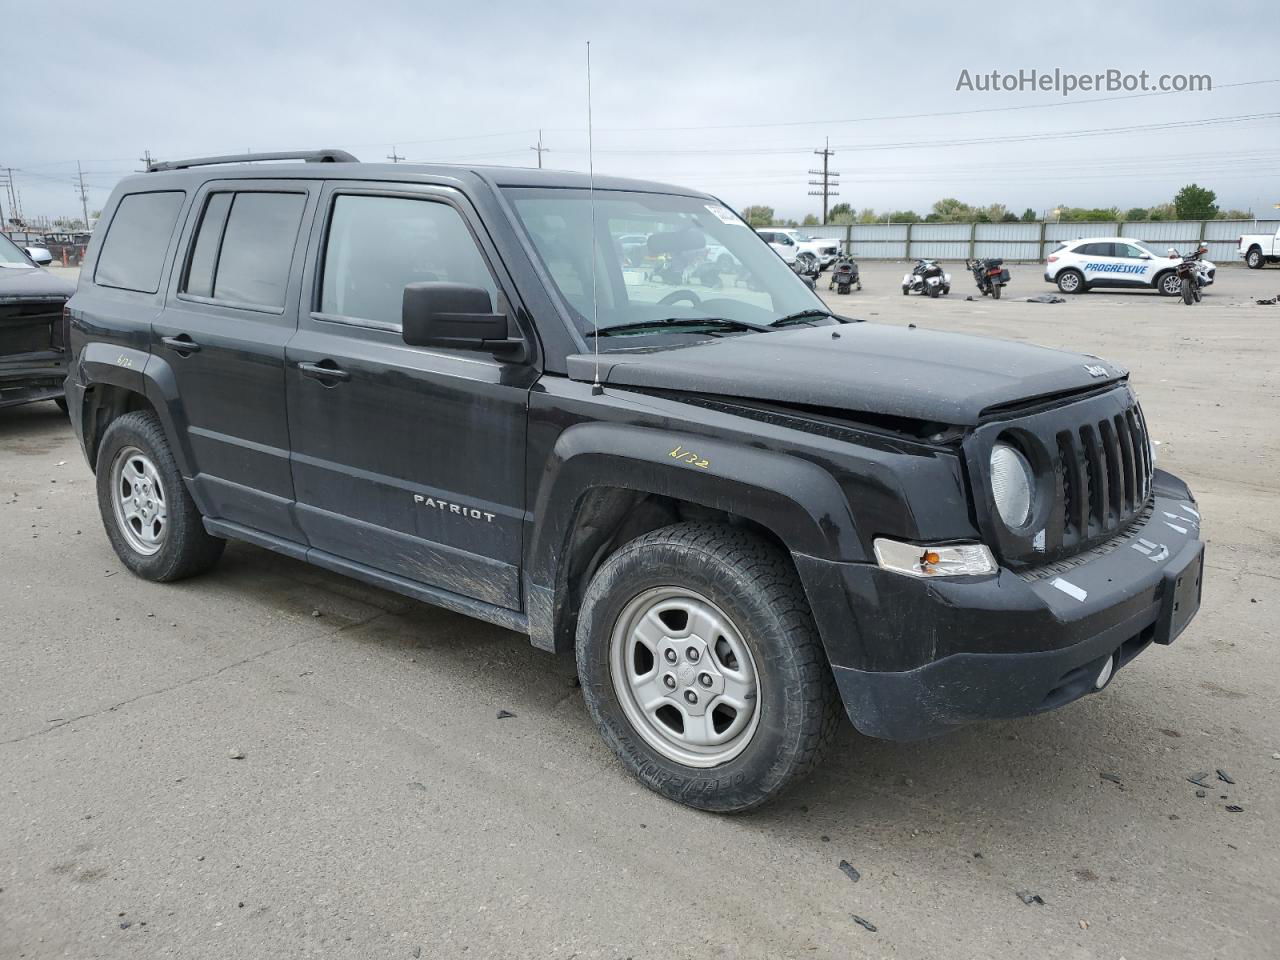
[
  {"x": 802, "y": 316},
  {"x": 668, "y": 323}
]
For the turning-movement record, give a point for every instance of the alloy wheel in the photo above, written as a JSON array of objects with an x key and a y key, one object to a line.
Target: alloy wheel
[
  {"x": 684, "y": 676},
  {"x": 138, "y": 501}
]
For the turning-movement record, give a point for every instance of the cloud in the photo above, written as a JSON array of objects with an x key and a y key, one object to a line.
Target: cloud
[{"x": 474, "y": 83}]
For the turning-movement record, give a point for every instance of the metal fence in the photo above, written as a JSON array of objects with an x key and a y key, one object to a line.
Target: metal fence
[{"x": 1031, "y": 241}]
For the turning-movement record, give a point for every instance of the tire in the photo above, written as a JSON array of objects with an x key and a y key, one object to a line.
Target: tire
[
  {"x": 1071, "y": 282},
  {"x": 934, "y": 290},
  {"x": 1187, "y": 287},
  {"x": 166, "y": 541},
  {"x": 1196, "y": 291},
  {"x": 61, "y": 402},
  {"x": 995, "y": 291},
  {"x": 905, "y": 291},
  {"x": 745, "y": 591},
  {"x": 1169, "y": 284},
  {"x": 1254, "y": 259}
]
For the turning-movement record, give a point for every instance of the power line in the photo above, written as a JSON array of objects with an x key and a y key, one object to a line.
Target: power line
[
  {"x": 904, "y": 144},
  {"x": 939, "y": 113},
  {"x": 1062, "y": 102}
]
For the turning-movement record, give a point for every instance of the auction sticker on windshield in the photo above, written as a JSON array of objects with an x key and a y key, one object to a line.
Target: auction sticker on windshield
[{"x": 724, "y": 214}]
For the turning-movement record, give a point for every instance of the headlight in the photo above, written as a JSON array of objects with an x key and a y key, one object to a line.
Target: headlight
[
  {"x": 1012, "y": 485},
  {"x": 944, "y": 560}
]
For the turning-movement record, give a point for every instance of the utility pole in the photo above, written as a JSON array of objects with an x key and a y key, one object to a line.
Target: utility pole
[
  {"x": 828, "y": 181},
  {"x": 540, "y": 149},
  {"x": 393, "y": 156},
  {"x": 84, "y": 197},
  {"x": 11, "y": 188},
  {"x": 146, "y": 161}
]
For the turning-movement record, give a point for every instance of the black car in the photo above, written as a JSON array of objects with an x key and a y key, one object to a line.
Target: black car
[
  {"x": 32, "y": 330},
  {"x": 739, "y": 511}
]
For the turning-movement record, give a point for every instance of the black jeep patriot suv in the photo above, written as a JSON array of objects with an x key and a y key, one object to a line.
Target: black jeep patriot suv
[{"x": 740, "y": 511}]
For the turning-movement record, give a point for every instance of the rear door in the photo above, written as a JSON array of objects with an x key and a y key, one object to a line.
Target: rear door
[
  {"x": 1099, "y": 264},
  {"x": 232, "y": 306},
  {"x": 407, "y": 460}
]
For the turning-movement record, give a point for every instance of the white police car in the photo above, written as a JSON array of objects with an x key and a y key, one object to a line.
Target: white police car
[{"x": 1092, "y": 262}]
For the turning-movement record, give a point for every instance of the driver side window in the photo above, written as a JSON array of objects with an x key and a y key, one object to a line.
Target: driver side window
[{"x": 377, "y": 245}]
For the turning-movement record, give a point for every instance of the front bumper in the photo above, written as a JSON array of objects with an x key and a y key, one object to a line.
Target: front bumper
[{"x": 926, "y": 656}]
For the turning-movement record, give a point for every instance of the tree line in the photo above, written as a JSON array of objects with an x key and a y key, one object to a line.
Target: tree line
[{"x": 1192, "y": 202}]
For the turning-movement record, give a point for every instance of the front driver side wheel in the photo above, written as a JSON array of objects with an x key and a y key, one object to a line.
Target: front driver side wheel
[{"x": 702, "y": 668}]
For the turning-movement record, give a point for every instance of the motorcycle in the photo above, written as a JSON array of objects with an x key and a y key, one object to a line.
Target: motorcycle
[
  {"x": 990, "y": 275},
  {"x": 927, "y": 278},
  {"x": 844, "y": 275},
  {"x": 1189, "y": 277}
]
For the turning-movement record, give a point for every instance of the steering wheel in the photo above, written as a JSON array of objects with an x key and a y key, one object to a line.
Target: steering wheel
[{"x": 677, "y": 295}]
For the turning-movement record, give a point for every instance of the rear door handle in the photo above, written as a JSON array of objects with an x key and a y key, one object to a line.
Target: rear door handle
[
  {"x": 325, "y": 370},
  {"x": 182, "y": 344}
]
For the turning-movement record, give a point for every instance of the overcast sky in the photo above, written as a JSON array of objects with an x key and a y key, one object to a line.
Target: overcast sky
[{"x": 728, "y": 97}]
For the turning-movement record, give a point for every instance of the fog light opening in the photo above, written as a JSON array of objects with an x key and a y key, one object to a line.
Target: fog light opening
[{"x": 1104, "y": 675}]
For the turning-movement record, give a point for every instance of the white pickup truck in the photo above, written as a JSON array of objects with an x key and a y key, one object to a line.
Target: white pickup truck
[
  {"x": 1259, "y": 249},
  {"x": 820, "y": 251}
]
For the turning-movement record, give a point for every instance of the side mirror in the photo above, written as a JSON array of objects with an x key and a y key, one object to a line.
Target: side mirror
[
  {"x": 1145, "y": 256},
  {"x": 456, "y": 316},
  {"x": 40, "y": 255}
]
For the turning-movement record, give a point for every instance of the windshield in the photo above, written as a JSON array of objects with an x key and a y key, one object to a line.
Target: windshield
[
  {"x": 659, "y": 257},
  {"x": 10, "y": 255}
]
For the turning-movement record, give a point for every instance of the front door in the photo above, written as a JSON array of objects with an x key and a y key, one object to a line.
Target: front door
[
  {"x": 1115, "y": 264},
  {"x": 232, "y": 306},
  {"x": 407, "y": 460}
]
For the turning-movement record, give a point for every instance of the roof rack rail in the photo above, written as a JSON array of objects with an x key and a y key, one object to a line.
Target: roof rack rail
[{"x": 310, "y": 156}]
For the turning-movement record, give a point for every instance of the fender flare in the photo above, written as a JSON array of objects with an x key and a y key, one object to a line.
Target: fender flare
[
  {"x": 143, "y": 373},
  {"x": 795, "y": 499}
]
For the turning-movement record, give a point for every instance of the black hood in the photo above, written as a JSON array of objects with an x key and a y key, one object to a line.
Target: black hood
[
  {"x": 869, "y": 368},
  {"x": 32, "y": 283}
]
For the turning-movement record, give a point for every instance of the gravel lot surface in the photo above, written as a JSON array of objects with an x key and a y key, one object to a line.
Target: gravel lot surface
[{"x": 381, "y": 810}]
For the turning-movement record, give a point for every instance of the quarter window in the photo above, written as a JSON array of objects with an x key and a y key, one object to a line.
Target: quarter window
[
  {"x": 132, "y": 256},
  {"x": 378, "y": 245}
]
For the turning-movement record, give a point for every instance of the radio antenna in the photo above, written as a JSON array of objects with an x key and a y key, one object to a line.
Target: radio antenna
[{"x": 591, "y": 193}]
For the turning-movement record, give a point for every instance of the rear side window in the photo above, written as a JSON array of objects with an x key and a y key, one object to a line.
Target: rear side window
[
  {"x": 132, "y": 256},
  {"x": 378, "y": 245},
  {"x": 204, "y": 258},
  {"x": 244, "y": 247}
]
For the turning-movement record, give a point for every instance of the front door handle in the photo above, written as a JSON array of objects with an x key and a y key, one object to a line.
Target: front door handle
[
  {"x": 324, "y": 371},
  {"x": 181, "y": 344}
]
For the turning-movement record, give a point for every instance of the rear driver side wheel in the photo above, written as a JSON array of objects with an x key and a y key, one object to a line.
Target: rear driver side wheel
[
  {"x": 702, "y": 668},
  {"x": 150, "y": 518}
]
